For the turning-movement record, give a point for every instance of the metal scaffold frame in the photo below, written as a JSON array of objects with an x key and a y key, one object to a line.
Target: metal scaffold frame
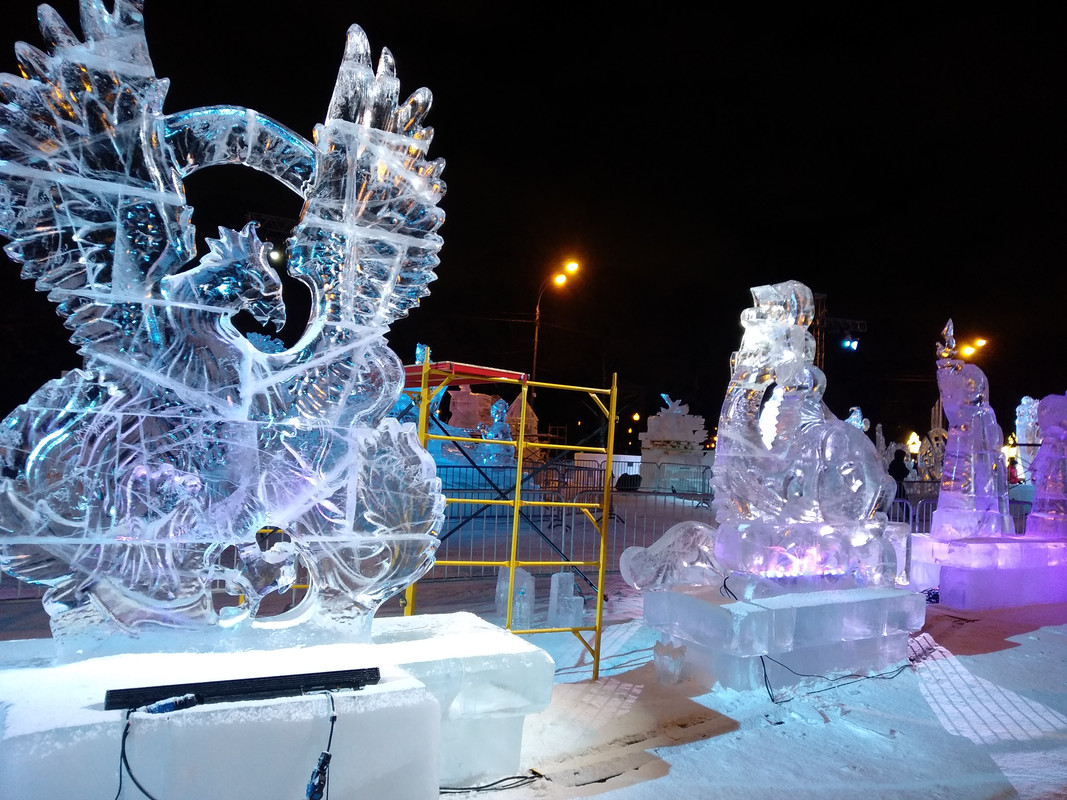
[{"x": 425, "y": 382}]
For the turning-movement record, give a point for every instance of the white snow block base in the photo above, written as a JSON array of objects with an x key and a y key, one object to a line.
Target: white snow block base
[
  {"x": 732, "y": 642},
  {"x": 448, "y": 711},
  {"x": 486, "y": 680},
  {"x": 993, "y": 572},
  {"x": 58, "y": 741}
]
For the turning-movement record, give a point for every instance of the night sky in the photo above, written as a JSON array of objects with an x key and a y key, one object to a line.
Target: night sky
[{"x": 907, "y": 163}]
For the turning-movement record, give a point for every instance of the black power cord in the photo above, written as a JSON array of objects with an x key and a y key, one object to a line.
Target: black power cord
[
  {"x": 124, "y": 763},
  {"x": 511, "y": 782},
  {"x": 318, "y": 786}
]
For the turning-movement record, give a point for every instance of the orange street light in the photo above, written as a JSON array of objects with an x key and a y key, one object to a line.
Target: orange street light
[{"x": 558, "y": 279}]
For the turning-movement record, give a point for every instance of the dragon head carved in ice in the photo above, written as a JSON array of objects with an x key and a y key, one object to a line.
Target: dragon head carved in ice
[{"x": 135, "y": 487}]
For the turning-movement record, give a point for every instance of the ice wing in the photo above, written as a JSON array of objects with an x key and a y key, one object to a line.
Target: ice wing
[
  {"x": 369, "y": 227},
  {"x": 89, "y": 192}
]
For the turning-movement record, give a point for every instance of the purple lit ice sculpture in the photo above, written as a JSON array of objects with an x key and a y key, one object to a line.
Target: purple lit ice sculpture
[
  {"x": 799, "y": 577},
  {"x": 797, "y": 491},
  {"x": 136, "y": 485},
  {"x": 974, "y": 486},
  {"x": 972, "y": 554},
  {"x": 1048, "y": 516}
]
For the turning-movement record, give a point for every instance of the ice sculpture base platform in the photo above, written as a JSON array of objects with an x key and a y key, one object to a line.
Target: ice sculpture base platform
[
  {"x": 448, "y": 711},
  {"x": 732, "y": 642},
  {"x": 991, "y": 572}
]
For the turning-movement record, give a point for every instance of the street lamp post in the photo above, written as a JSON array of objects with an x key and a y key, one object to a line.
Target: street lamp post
[{"x": 558, "y": 279}]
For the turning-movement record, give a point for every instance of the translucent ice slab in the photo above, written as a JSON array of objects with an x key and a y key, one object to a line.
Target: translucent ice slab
[{"x": 793, "y": 627}]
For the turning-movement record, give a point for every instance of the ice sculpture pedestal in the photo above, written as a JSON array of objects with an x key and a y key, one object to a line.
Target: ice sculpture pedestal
[
  {"x": 861, "y": 630},
  {"x": 983, "y": 573},
  {"x": 448, "y": 711}
]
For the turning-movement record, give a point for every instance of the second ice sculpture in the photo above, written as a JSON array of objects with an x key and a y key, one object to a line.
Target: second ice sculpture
[
  {"x": 974, "y": 486},
  {"x": 133, "y": 486},
  {"x": 798, "y": 492}
]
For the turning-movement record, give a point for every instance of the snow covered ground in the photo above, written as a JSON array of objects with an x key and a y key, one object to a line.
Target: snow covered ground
[{"x": 979, "y": 712}]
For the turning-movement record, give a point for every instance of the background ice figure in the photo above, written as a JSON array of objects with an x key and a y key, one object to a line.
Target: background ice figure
[
  {"x": 498, "y": 431},
  {"x": 126, "y": 482},
  {"x": 1028, "y": 436},
  {"x": 1048, "y": 517},
  {"x": 974, "y": 486}
]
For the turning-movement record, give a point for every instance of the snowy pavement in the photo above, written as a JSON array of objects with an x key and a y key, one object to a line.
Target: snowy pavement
[{"x": 979, "y": 712}]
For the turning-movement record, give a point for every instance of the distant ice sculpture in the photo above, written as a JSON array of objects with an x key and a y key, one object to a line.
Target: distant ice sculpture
[
  {"x": 135, "y": 485},
  {"x": 499, "y": 431},
  {"x": 1048, "y": 516},
  {"x": 673, "y": 458},
  {"x": 1027, "y": 436},
  {"x": 974, "y": 486}
]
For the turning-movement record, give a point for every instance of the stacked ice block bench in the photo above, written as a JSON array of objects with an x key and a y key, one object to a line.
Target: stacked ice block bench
[{"x": 812, "y": 632}]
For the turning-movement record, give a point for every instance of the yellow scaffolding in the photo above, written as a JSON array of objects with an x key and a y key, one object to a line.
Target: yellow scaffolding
[{"x": 426, "y": 381}]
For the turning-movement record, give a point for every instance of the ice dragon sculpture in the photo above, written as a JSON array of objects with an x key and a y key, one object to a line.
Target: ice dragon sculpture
[
  {"x": 136, "y": 485},
  {"x": 798, "y": 492}
]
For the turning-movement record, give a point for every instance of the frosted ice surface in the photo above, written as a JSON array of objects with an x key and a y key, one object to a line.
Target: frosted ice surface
[
  {"x": 974, "y": 488},
  {"x": 128, "y": 484},
  {"x": 684, "y": 555}
]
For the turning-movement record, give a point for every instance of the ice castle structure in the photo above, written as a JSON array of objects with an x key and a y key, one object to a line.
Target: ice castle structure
[
  {"x": 973, "y": 554},
  {"x": 672, "y": 449},
  {"x": 802, "y": 564}
]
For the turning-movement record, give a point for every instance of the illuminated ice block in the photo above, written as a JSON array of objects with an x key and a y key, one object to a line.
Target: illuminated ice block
[
  {"x": 816, "y": 632},
  {"x": 184, "y": 456}
]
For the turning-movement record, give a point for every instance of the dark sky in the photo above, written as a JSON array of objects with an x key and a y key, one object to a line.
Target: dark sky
[{"x": 908, "y": 163}]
